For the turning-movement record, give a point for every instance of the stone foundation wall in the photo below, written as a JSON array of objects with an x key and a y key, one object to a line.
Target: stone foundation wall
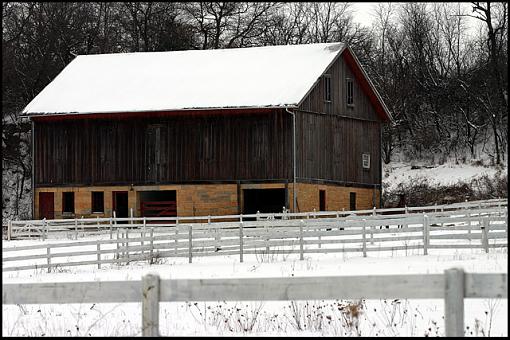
[{"x": 211, "y": 199}]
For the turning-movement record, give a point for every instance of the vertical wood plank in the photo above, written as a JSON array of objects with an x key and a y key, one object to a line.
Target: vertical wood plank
[
  {"x": 150, "y": 305},
  {"x": 454, "y": 302}
]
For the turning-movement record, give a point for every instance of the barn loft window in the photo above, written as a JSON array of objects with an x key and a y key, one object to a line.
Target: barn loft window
[
  {"x": 68, "y": 202},
  {"x": 327, "y": 87},
  {"x": 350, "y": 92},
  {"x": 97, "y": 201},
  {"x": 366, "y": 160}
]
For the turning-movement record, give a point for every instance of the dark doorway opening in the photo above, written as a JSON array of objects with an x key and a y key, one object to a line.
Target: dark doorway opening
[
  {"x": 352, "y": 199},
  {"x": 322, "y": 200},
  {"x": 263, "y": 200},
  {"x": 120, "y": 203},
  {"x": 46, "y": 205},
  {"x": 158, "y": 203}
]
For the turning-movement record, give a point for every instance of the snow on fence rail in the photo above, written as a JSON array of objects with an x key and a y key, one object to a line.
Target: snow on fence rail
[
  {"x": 452, "y": 286},
  {"x": 486, "y": 229},
  {"x": 83, "y": 226}
]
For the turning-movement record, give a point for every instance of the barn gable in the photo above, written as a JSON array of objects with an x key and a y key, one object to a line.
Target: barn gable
[{"x": 366, "y": 104}]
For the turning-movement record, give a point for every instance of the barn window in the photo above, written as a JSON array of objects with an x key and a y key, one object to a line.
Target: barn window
[
  {"x": 350, "y": 92},
  {"x": 366, "y": 160},
  {"x": 327, "y": 87},
  {"x": 97, "y": 201},
  {"x": 68, "y": 202}
]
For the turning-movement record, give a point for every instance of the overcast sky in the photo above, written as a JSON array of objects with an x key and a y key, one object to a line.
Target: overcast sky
[{"x": 363, "y": 12}]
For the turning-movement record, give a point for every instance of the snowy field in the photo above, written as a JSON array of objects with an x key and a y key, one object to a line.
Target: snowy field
[
  {"x": 483, "y": 317},
  {"x": 396, "y": 173}
]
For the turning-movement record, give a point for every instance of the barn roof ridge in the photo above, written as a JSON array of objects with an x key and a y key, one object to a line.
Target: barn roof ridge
[{"x": 250, "y": 77}]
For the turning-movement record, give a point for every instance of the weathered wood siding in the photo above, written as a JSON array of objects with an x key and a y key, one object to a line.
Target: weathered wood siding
[
  {"x": 330, "y": 148},
  {"x": 164, "y": 150},
  {"x": 333, "y": 136},
  {"x": 339, "y": 72}
]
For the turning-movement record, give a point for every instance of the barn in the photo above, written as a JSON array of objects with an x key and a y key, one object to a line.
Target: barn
[{"x": 207, "y": 132}]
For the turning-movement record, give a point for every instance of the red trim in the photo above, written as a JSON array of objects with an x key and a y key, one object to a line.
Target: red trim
[
  {"x": 151, "y": 114},
  {"x": 367, "y": 89}
]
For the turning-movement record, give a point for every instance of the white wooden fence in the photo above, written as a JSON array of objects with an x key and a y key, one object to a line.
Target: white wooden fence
[
  {"x": 452, "y": 286},
  {"x": 484, "y": 228},
  {"x": 85, "y": 226}
]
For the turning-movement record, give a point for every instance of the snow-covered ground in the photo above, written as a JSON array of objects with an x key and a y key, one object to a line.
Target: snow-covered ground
[
  {"x": 483, "y": 317},
  {"x": 450, "y": 173},
  {"x": 341, "y": 317}
]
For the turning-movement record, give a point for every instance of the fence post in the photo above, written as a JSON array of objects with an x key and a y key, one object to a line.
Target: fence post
[
  {"x": 241, "y": 241},
  {"x": 131, "y": 215},
  {"x": 374, "y": 213},
  {"x": 485, "y": 233},
  {"x": 425, "y": 234},
  {"x": 176, "y": 238},
  {"x": 9, "y": 230},
  {"x": 111, "y": 229},
  {"x": 266, "y": 229},
  {"x": 99, "y": 256},
  {"x": 82, "y": 228},
  {"x": 117, "y": 253},
  {"x": 258, "y": 217},
  {"x": 48, "y": 255},
  {"x": 454, "y": 302},
  {"x": 364, "y": 238},
  {"x": 127, "y": 245},
  {"x": 152, "y": 246},
  {"x": 176, "y": 233},
  {"x": 190, "y": 246},
  {"x": 150, "y": 305},
  {"x": 75, "y": 228},
  {"x": 143, "y": 234},
  {"x": 97, "y": 222},
  {"x": 301, "y": 257},
  {"x": 45, "y": 229}
]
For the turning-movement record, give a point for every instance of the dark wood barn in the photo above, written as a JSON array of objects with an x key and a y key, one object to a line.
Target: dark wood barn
[{"x": 208, "y": 133}]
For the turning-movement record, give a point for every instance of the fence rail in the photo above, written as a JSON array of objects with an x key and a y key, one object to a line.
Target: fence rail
[
  {"x": 83, "y": 226},
  {"x": 483, "y": 229},
  {"x": 452, "y": 286}
]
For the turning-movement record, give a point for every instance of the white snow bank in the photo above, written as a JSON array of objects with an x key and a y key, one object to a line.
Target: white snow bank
[{"x": 446, "y": 174}]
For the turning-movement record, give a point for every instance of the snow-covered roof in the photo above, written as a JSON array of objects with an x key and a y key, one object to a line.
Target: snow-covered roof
[{"x": 273, "y": 76}]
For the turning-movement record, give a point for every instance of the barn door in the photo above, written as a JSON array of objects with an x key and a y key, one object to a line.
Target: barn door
[{"x": 46, "y": 205}]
